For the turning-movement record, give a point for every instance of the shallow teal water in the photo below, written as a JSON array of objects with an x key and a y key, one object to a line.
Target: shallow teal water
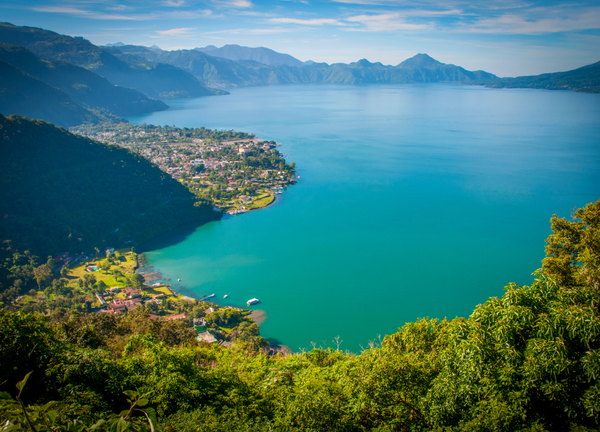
[{"x": 414, "y": 200}]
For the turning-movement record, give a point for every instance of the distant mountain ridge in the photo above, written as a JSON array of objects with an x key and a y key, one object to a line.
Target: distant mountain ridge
[
  {"x": 262, "y": 55},
  {"x": 221, "y": 72},
  {"x": 585, "y": 79}
]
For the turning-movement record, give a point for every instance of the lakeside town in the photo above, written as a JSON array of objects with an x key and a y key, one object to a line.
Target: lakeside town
[
  {"x": 234, "y": 171},
  {"x": 110, "y": 282}
]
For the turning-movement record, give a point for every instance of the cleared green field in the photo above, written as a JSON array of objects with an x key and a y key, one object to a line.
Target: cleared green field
[
  {"x": 262, "y": 201},
  {"x": 127, "y": 265}
]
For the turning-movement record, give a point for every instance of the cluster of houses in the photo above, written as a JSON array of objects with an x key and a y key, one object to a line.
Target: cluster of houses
[{"x": 133, "y": 299}]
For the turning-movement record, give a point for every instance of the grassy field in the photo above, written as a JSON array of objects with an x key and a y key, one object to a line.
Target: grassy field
[
  {"x": 262, "y": 200},
  {"x": 127, "y": 264}
]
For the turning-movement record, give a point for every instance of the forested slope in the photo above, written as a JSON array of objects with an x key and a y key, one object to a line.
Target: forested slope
[
  {"x": 529, "y": 361},
  {"x": 83, "y": 86},
  {"x": 585, "y": 79},
  {"x": 22, "y": 94},
  {"x": 63, "y": 192},
  {"x": 155, "y": 80}
]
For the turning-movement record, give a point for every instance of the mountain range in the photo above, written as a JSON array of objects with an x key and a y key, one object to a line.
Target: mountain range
[
  {"x": 69, "y": 81},
  {"x": 223, "y": 72},
  {"x": 262, "y": 55}
]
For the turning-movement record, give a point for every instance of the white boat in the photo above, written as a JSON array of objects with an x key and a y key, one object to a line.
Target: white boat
[
  {"x": 225, "y": 296},
  {"x": 178, "y": 280},
  {"x": 252, "y": 301},
  {"x": 210, "y": 296}
]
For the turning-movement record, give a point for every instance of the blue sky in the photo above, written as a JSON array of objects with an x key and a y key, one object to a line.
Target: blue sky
[{"x": 505, "y": 37}]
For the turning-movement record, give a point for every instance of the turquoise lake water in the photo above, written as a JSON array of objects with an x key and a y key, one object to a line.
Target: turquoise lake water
[{"x": 414, "y": 200}]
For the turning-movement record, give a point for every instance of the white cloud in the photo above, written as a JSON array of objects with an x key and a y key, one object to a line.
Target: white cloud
[
  {"x": 274, "y": 30},
  {"x": 234, "y": 4},
  {"x": 189, "y": 14},
  {"x": 538, "y": 21},
  {"x": 173, "y": 3},
  {"x": 176, "y": 31},
  {"x": 309, "y": 22},
  {"x": 88, "y": 14},
  {"x": 384, "y": 22}
]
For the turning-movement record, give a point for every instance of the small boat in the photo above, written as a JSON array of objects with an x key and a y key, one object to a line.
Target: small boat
[
  {"x": 210, "y": 296},
  {"x": 178, "y": 280},
  {"x": 225, "y": 296},
  {"x": 252, "y": 301}
]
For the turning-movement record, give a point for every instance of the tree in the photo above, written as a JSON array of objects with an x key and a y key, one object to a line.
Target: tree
[
  {"x": 137, "y": 280},
  {"x": 101, "y": 286},
  {"x": 573, "y": 249},
  {"x": 89, "y": 280},
  {"x": 42, "y": 275},
  {"x": 105, "y": 265}
]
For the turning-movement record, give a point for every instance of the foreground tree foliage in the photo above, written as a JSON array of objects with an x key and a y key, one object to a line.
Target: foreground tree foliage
[{"x": 529, "y": 361}]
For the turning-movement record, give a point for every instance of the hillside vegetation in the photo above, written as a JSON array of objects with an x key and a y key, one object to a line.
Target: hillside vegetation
[
  {"x": 63, "y": 192},
  {"x": 585, "y": 79},
  {"x": 155, "y": 80},
  {"x": 83, "y": 86},
  {"x": 529, "y": 361},
  {"x": 22, "y": 94}
]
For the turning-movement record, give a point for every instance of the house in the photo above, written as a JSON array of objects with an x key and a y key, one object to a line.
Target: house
[
  {"x": 131, "y": 292},
  {"x": 206, "y": 337},
  {"x": 101, "y": 300},
  {"x": 177, "y": 317},
  {"x": 114, "y": 290},
  {"x": 199, "y": 322},
  {"x": 209, "y": 311},
  {"x": 120, "y": 306}
]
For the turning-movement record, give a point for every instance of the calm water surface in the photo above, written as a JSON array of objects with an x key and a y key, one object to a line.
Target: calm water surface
[{"x": 414, "y": 201}]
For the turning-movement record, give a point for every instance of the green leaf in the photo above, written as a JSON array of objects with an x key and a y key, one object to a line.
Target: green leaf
[
  {"x": 52, "y": 415},
  {"x": 4, "y": 395},
  {"x": 131, "y": 393},
  {"x": 142, "y": 402},
  {"x": 98, "y": 424},
  {"x": 21, "y": 384}
]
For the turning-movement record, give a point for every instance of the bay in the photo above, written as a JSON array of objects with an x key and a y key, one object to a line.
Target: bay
[{"x": 414, "y": 201}]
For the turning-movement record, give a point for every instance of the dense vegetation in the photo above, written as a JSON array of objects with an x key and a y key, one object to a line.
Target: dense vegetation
[
  {"x": 155, "y": 80},
  {"x": 529, "y": 361},
  {"x": 83, "y": 86},
  {"x": 585, "y": 79},
  {"x": 63, "y": 192},
  {"x": 22, "y": 94}
]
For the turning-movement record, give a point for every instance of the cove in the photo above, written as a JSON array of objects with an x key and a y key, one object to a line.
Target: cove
[{"x": 414, "y": 201}]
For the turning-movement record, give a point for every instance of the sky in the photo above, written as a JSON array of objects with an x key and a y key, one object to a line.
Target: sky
[{"x": 505, "y": 37}]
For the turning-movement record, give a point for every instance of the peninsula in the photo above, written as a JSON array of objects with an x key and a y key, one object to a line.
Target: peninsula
[{"x": 234, "y": 171}]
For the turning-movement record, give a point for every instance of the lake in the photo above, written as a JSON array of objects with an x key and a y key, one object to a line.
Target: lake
[{"x": 414, "y": 201}]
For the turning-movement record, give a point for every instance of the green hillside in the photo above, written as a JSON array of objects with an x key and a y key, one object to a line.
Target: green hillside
[
  {"x": 63, "y": 192},
  {"x": 22, "y": 94},
  {"x": 585, "y": 79},
  {"x": 528, "y": 362},
  {"x": 83, "y": 86},
  {"x": 155, "y": 80}
]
